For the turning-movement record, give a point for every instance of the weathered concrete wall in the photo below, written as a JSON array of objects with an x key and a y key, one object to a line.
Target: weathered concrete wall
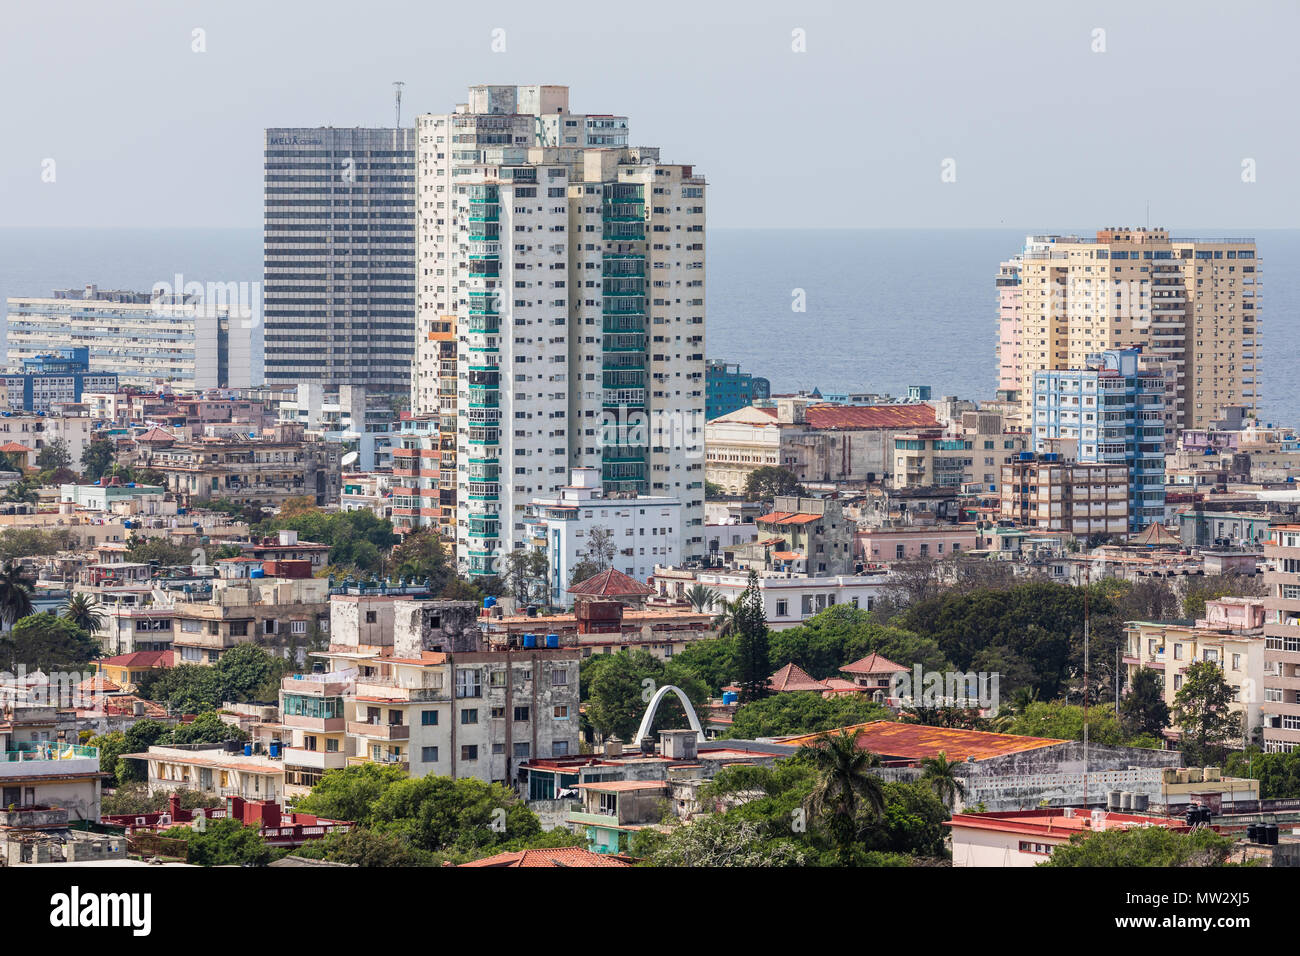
[
  {"x": 446, "y": 626},
  {"x": 1022, "y": 781}
]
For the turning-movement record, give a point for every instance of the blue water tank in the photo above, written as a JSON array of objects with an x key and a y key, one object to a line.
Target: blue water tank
[
  {"x": 552, "y": 640},
  {"x": 530, "y": 640},
  {"x": 275, "y": 749},
  {"x": 248, "y": 750},
  {"x": 1026, "y": 456},
  {"x": 729, "y": 697},
  {"x": 489, "y": 602},
  {"x": 257, "y": 573}
]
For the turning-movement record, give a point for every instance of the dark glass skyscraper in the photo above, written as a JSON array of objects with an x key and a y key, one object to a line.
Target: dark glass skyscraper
[{"x": 339, "y": 257}]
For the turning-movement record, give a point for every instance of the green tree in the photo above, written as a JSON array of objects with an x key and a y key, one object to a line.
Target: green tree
[
  {"x": 1143, "y": 710},
  {"x": 764, "y": 484},
  {"x": 803, "y": 712},
  {"x": 1200, "y": 590},
  {"x": 97, "y": 457},
  {"x": 846, "y": 790},
  {"x": 15, "y": 594},
  {"x": 54, "y": 455},
  {"x": 582, "y": 571},
  {"x": 702, "y": 598},
  {"x": 421, "y": 556},
  {"x": 157, "y": 550},
  {"x": 83, "y": 610},
  {"x": 1203, "y": 710},
  {"x": 206, "y": 728},
  {"x": 526, "y": 573},
  {"x": 440, "y": 814},
  {"x": 752, "y": 642},
  {"x": 33, "y": 542},
  {"x": 47, "y": 643},
  {"x": 363, "y": 846},
  {"x": 616, "y": 688},
  {"x": 939, "y": 773},
  {"x": 224, "y": 843},
  {"x": 600, "y": 547},
  {"x": 350, "y": 793},
  {"x": 712, "y": 660},
  {"x": 1145, "y": 847},
  {"x": 137, "y": 739},
  {"x": 719, "y": 841}
]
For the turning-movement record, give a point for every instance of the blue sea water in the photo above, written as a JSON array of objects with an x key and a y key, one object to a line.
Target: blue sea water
[{"x": 885, "y": 308}]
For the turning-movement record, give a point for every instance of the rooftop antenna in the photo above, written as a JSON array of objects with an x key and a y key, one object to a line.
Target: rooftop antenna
[{"x": 397, "y": 96}]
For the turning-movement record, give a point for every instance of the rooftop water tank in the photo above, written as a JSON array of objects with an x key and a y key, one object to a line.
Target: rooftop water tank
[
  {"x": 552, "y": 640},
  {"x": 248, "y": 750},
  {"x": 530, "y": 640}
]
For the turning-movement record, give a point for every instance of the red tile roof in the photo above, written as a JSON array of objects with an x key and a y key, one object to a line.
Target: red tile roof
[
  {"x": 156, "y": 434},
  {"x": 611, "y": 583},
  {"x": 559, "y": 856},
  {"x": 870, "y": 416},
  {"x": 13, "y": 446},
  {"x": 917, "y": 742},
  {"x": 793, "y": 677},
  {"x": 872, "y": 664},
  {"x": 787, "y": 517},
  {"x": 142, "y": 659}
]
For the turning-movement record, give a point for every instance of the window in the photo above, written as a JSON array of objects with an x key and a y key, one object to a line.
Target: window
[
  {"x": 782, "y": 608},
  {"x": 559, "y": 677},
  {"x": 1027, "y": 846},
  {"x": 521, "y": 751},
  {"x": 429, "y": 718},
  {"x": 297, "y": 627},
  {"x": 469, "y": 752},
  {"x": 521, "y": 713},
  {"x": 372, "y": 617},
  {"x": 559, "y": 748},
  {"x": 429, "y": 754},
  {"x": 469, "y": 716},
  {"x": 469, "y": 682},
  {"x": 498, "y": 678},
  {"x": 608, "y": 804},
  {"x": 561, "y": 712}
]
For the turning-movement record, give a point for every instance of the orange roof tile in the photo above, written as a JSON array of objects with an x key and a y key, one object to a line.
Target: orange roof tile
[
  {"x": 872, "y": 664},
  {"x": 917, "y": 742},
  {"x": 611, "y": 583},
  {"x": 829, "y": 417},
  {"x": 792, "y": 677},
  {"x": 559, "y": 856}
]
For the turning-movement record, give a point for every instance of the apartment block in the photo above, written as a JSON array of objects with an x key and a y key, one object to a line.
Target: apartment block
[
  {"x": 1194, "y": 307},
  {"x": 1281, "y": 705},
  {"x": 264, "y": 471},
  {"x": 1051, "y": 494},
  {"x": 39, "y": 770},
  {"x": 339, "y": 266},
  {"x": 187, "y": 340},
  {"x": 727, "y": 388},
  {"x": 574, "y": 266},
  {"x": 58, "y": 379},
  {"x": 1230, "y": 636},
  {"x": 1110, "y": 411}
]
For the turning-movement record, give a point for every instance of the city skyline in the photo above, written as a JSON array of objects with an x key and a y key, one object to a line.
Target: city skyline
[{"x": 1002, "y": 106}]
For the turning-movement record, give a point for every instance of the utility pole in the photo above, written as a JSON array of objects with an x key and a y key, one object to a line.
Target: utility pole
[{"x": 1087, "y": 581}]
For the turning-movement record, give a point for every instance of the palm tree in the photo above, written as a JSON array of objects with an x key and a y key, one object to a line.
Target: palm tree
[
  {"x": 846, "y": 791},
  {"x": 15, "y": 594},
  {"x": 725, "y": 621},
  {"x": 1007, "y": 713},
  {"x": 701, "y": 598},
  {"x": 83, "y": 611},
  {"x": 938, "y": 773}
]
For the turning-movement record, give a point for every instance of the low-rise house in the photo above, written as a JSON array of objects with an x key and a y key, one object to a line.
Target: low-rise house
[
  {"x": 217, "y": 770},
  {"x": 38, "y": 770},
  {"x": 1029, "y": 837}
]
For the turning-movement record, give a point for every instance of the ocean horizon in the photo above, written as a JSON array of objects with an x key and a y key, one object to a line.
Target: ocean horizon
[{"x": 884, "y": 308}]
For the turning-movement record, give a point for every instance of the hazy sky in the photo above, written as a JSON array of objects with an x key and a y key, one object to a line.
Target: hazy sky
[{"x": 1045, "y": 133}]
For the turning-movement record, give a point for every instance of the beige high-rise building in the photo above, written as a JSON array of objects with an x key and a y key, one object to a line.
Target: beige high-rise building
[
  {"x": 1192, "y": 305},
  {"x": 574, "y": 267}
]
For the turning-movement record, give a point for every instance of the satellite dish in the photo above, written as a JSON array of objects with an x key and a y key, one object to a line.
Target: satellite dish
[{"x": 351, "y": 457}]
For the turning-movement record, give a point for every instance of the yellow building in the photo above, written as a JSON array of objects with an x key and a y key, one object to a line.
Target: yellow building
[
  {"x": 1192, "y": 305},
  {"x": 1230, "y": 635}
]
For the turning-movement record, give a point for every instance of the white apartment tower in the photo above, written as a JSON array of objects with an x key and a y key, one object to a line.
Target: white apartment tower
[{"x": 573, "y": 266}]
